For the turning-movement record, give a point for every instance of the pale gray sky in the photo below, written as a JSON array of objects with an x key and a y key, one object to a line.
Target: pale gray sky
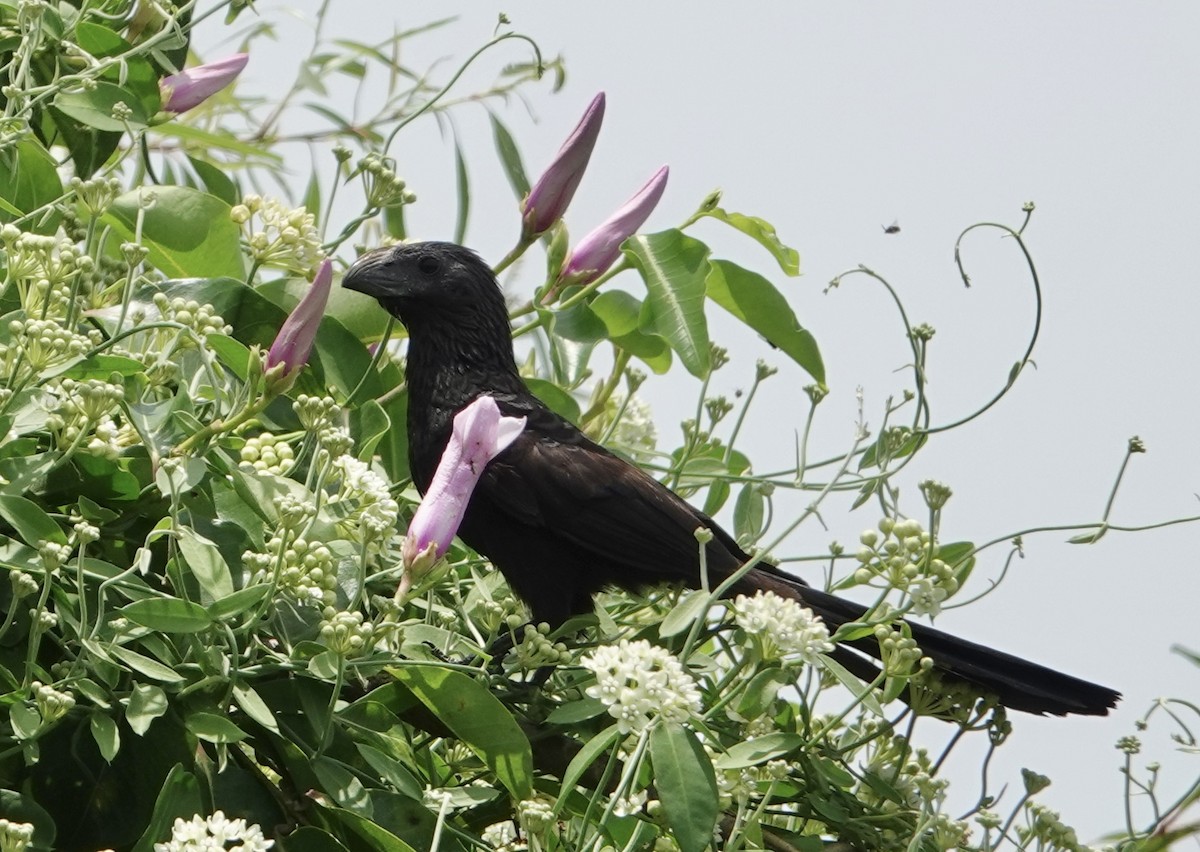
[{"x": 831, "y": 121}]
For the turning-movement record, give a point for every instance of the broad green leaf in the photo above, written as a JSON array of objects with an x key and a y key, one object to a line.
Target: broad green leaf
[
  {"x": 477, "y": 718},
  {"x": 376, "y": 836},
  {"x": 213, "y": 728},
  {"x": 30, "y": 521},
  {"x": 759, "y": 750},
  {"x": 749, "y": 513},
  {"x": 188, "y": 232},
  {"x": 207, "y": 564},
  {"x": 240, "y": 601},
  {"x": 621, "y": 313},
  {"x": 254, "y": 707},
  {"x": 583, "y": 759},
  {"x": 369, "y": 424},
  {"x": 98, "y": 367},
  {"x": 180, "y": 798},
  {"x": 25, "y": 720},
  {"x": 216, "y": 181},
  {"x": 681, "y": 617},
  {"x": 169, "y": 615},
  {"x": 29, "y": 181},
  {"x": 555, "y": 398},
  {"x": 133, "y": 72},
  {"x": 146, "y": 703},
  {"x": 686, "y": 784},
  {"x": 151, "y": 668},
  {"x": 510, "y": 157},
  {"x": 106, "y": 735},
  {"x": 309, "y": 838},
  {"x": 576, "y": 711},
  {"x": 94, "y": 107},
  {"x": 762, "y": 232},
  {"x": 755, "y": 301},
  {"x": 674, "y": 267},
  {"x": 392, "y": 771},
  {"x": 856, "y": 686}
]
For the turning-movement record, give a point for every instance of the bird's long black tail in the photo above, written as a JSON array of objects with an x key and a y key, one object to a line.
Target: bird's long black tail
[{"x": 1017, "y": 683}]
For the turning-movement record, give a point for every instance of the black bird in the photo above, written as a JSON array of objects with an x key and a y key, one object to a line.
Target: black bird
[{"x": 562, "y": 517}]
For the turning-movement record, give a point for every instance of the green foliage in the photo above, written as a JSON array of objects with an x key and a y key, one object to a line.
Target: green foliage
[{"x": 202, "y": 555}]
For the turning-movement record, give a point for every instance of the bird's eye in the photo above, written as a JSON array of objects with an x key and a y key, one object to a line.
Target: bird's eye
[{"x": 428, "y": 264}]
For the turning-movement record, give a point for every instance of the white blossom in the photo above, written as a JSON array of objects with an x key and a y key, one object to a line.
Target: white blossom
[
  {"x": 202, "y": 834},
  {"x": 783, "y": 626},
  {"x": 641, "y": 683}
]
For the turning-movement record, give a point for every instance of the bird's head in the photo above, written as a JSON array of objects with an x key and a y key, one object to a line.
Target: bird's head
[
  {"x": 415, "y": 280},
  {"x": 445, "y": 295}
]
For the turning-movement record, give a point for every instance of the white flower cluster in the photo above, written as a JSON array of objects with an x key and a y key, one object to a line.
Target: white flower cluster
[
  {"x": 15, "y": 836},
  {"x": 782, "y": 627},
  {"x": 306, "y": 570},
  {"x": 377, "y": 511},
  {"x": 201, "y": 834},
  {"x": 905, "y": 557},
  {"x": 635, "y": 430},
  {"x": 288, "y": 236},
  {"x": 641, "y": 683}
]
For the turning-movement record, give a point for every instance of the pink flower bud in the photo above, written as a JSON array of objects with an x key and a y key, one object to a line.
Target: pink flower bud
[
  {"x": 192, "y": 86},
  {"x": 480, "y": 433},
  {"x": 294, "y": 342},
  {"x": 550, "y": 196},
  {"x": 596, "y": 252}
]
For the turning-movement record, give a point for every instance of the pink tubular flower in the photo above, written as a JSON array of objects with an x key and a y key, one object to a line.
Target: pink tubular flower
[
  {"x": 480, "y": 434},
  {"x": 552, "y": 193},
  {"x": 192, "y": 86},
  {"x": 596, "y": 252},
  {"x": 294, "y": 342}
]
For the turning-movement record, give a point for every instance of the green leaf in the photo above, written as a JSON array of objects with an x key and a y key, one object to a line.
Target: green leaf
[
  {"x": 169, "y": 615},
  {"x": 98, "y": 367},
  {"x": 555, "y": 398},
  {"x": 188, "y": 232},
  {"x": 146, "y": 703},
  {"x": 106, "y": 735},
  {"x": 755, "y": 301},
  {"x": 371, "y": 424},
  {"x": 209, "y": 141},
  {"x": 759, "y": 750},
  {"x": 376, "y": 836},
  {"x": 213, "y": 728},
  {"x": 94, "y": 107},
  {"x": 583, "y": 759},
  {"x": 151, "y": 668},
  {"x": 856, "y": 686},
  {"x": 29, "y": 181},
  {"x": 308, "y": 838},
  {"x": 180, "y": 798},
  {"x": 133, "y": 72},
  {"x": 691, "y": 605},
  {"x": 462, "y": 184},
  {"x": 762, "y": 232},
  {"x": 749, "y": 513},
  {"x": 621, "y": 313},
  {"x": 686, "y": 784},
  {"x": 510, "y": 157},
  {"x": 674, "y": 267},
  {"x": 254, "y": 707},
  {"x": 207, "y": 564},
  {"x": 25, "y": 720},
  {"x": 240, "y": 601},
  {"x": 30, "y": 521},
  {"x": 478, "y": 719},
  {"x": 216, "y": 181},
  {"x": 576, "y": 711}
]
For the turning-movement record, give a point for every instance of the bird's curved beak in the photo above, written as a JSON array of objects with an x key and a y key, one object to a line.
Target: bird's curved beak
[{"x": 371, "y": 274}]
